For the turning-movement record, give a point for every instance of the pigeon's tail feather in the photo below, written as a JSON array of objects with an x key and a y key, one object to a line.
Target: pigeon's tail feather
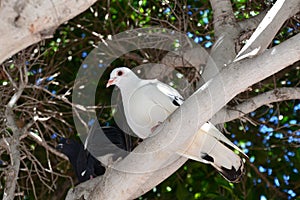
[
  {"x": 228, "y": 164},
  {"x": 208, "y": 149}
]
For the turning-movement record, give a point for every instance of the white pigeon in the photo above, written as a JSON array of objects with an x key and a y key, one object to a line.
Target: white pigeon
[{"x": 147, "y": 103}]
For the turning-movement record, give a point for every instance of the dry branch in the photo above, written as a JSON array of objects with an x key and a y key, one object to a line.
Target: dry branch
[{"x": 14, "y": 145}]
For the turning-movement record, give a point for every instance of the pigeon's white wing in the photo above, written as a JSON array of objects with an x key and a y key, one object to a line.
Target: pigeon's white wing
[{"x": 170, "y": 92}]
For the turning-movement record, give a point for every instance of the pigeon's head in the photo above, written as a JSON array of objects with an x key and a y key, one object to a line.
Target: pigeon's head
[
  {"x": 119, "y": 75},
  {"x": 66, "y": 145}
]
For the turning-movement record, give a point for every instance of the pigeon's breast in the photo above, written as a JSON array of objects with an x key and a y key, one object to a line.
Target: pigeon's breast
[
  {"x": 145, "y": 113},
  {"x": 146, "y": 107}
]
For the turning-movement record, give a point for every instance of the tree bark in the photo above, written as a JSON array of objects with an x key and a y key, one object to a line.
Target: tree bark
[
  {"x": 226, "y": 32},
  {"x": 24, "y": 23}
]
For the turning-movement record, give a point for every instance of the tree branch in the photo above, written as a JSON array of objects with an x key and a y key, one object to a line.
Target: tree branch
[
  {"x": 223, "y": 15},
  {"x": 226, "y": 32},
  {"x": 276, "y": 95},
  {"x": 25, "y": 22},
  {"x": 127, "y": 177},
  {"x": 265, "y": 179},
  {"x": 13, "y": 147},
  {"x": 268, "y": 28},
  {"x": 253, "y": 22},
  {"x": 44, "y": 144}
]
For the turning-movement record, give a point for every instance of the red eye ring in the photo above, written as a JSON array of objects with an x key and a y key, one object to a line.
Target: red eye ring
[{"x": 120, "y": 73}]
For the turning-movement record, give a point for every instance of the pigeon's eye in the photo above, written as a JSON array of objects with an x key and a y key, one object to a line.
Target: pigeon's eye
[{"x": 120, "y": 73}]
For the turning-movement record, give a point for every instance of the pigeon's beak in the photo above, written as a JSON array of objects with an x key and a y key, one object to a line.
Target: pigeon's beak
[{"x": 110, "y": 82}]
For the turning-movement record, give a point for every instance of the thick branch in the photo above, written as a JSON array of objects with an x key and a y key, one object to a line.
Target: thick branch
[
  {"x": 223, "y": 15},
  {"x": 24, "y": 23},
  {"x": 84, "y": 189},
  {"x": 253, "y": 22},
  {"x": 154, "y": 154},
  {"x": 226, "y": 32},
  {"x": 268, "y": 28},
  {"x": 276, "y": 95}
]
